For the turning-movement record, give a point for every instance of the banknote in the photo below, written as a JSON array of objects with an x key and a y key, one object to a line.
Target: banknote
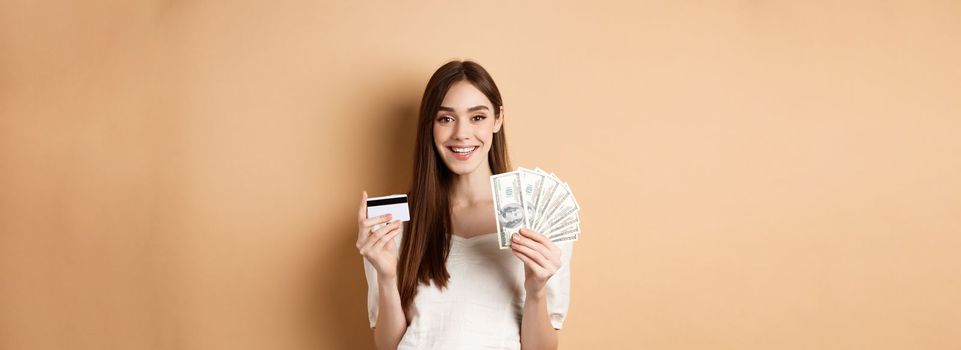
[
  {"x": 531, "y": 181},
  {"x": 547, "y": 189},
  {"x": 559, "y": 208},
  {"x": 537, "y": 200},
  {"x": 510, "y": 214}
]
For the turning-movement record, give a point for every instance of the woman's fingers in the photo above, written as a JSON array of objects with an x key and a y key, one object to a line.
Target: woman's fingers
[
  {"x": 552, "y": 252},
  {"x": 536, "y": 256},
  {"x": 362, "y": 233},
  {"x": 383, "y": 230},
  {"x": 365, "y": 230},
  {"x": 380, "y": 219},
  {"x": 534, "y": 235},
  {"x": 534, "y": 266},
  {"x": 374, "y": 242},
  {"x": 530, "y": 243},
  {"x": 374, "y": 246},
  {"x": 386, "y": 239},
  {"x": 376, "y": 236},
  {"x": 363, "y": 207}
]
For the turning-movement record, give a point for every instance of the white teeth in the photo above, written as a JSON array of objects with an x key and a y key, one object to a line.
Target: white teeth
[{"x": 463, "y": 150}]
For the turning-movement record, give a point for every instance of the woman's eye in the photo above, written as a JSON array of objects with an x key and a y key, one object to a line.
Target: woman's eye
[
  {"x": 445, "y": 119},
  {"x": 479, "y": 117}
]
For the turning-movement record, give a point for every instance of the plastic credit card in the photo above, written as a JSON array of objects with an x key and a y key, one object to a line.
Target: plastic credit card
[{"x": 395, "y": 204}]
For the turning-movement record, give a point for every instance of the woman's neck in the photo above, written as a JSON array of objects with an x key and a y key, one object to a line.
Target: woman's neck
[{"x": 472, "y": 188}]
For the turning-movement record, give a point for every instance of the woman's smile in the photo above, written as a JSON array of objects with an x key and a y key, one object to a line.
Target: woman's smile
[{"x": 462, "y": 153}]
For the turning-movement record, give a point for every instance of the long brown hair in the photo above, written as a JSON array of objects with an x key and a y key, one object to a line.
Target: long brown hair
[{"x": 426, "y": 242}]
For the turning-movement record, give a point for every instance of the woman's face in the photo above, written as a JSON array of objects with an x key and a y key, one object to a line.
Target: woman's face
[{"x": 464, "y": 127}]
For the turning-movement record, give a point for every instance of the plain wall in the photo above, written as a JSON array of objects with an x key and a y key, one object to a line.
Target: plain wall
[{"x": 753, "y": 174}]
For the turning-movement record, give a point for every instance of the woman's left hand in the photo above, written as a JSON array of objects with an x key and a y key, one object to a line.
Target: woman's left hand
[{"x": 540, "y": 256}]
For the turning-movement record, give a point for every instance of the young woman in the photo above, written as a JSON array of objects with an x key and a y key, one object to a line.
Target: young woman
[{"x": 445, "y": 284}]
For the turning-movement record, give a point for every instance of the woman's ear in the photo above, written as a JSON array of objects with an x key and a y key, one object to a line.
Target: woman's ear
[{"x": 499, "y": 120}]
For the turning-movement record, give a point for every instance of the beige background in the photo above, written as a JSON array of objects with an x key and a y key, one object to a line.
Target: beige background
[{"x": 754, "y": 174}]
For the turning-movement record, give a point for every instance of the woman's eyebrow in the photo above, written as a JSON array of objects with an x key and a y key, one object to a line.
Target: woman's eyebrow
[{"x": 451, "y": 109}]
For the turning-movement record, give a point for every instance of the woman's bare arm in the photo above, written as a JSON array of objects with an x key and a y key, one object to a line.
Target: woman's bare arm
[
  {"x": 377, "y": 246},
  {"x": 391, "y": 321},
  {"x": 542, "y": 258},
  {"x": 536, "y": 329}
]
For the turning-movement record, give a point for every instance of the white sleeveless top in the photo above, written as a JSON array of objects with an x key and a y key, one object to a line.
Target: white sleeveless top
[{"x": 481, "y": 307}]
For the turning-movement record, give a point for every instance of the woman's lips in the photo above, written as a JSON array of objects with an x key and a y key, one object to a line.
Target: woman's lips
[{"x": 462, "y": 153}]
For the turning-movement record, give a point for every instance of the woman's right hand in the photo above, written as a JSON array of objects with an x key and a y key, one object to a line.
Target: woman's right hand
[{"x": 377, "y": 246}]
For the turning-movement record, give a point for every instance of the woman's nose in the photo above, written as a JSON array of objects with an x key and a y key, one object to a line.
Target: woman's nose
[{"x": 462, "y": 131}]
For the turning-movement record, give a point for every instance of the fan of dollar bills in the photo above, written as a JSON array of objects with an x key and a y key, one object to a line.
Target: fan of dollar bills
[{"x": 537, "y": 200}]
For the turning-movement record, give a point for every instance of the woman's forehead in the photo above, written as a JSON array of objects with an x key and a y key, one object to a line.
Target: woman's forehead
[{"x": 463, "y": 96}]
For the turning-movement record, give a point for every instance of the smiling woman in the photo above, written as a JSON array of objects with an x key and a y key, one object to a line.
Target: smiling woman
[{"x": 446, "y": 284}]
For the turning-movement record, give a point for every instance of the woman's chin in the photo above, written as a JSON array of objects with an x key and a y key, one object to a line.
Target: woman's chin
[{"x": 462, "y": 168}]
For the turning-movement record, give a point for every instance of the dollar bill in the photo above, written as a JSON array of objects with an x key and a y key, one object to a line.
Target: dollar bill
[
  {"x": 531, "y": 182},
  {"x": 510, "y": 214},
  {"x": 548, "y": 187},
  {"x": 559, "y": 208},
  {"x": 566, "y": 221}
]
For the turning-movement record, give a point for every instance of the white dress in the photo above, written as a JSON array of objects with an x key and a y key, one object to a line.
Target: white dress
[{"x": 481, "y": 307}]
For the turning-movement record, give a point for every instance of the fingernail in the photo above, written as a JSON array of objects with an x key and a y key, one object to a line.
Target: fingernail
[{"x": 515, "y": 237}]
